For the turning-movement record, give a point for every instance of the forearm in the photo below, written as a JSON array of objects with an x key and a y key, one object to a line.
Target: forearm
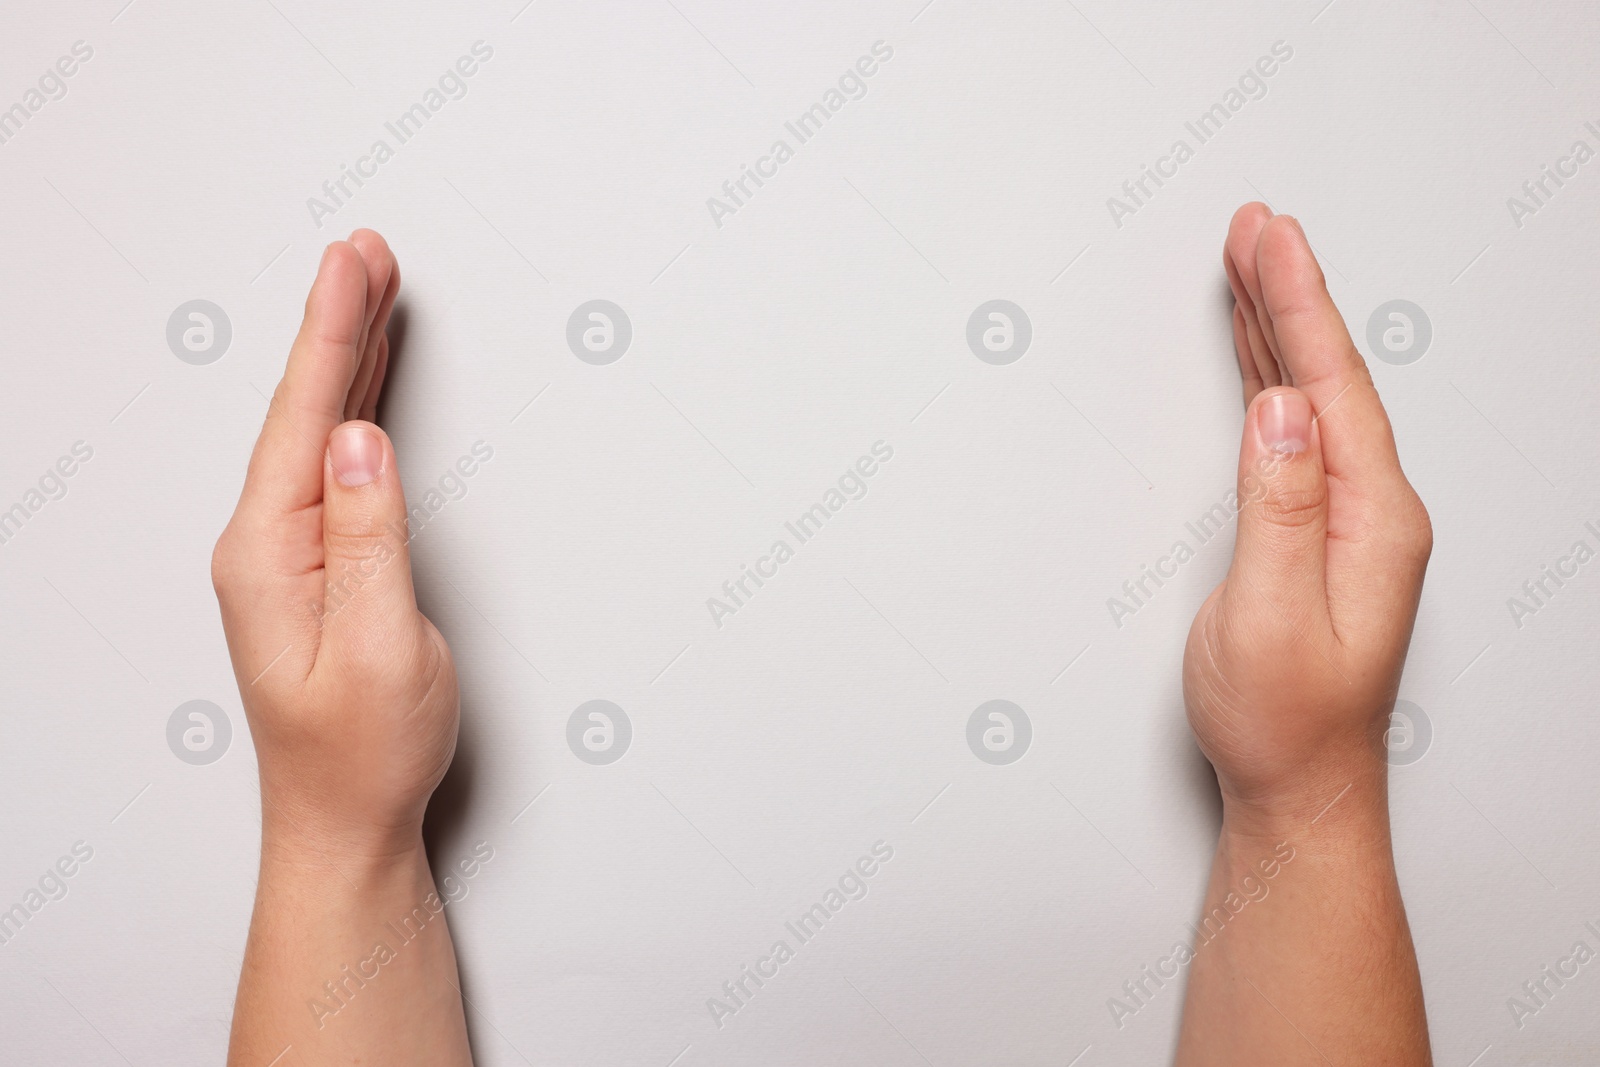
[
  {"x": 349, "y": 960},
  {"x": 1310, "y": 960}
]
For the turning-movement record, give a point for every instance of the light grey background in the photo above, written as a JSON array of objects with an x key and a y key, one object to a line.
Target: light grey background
[{"x": 767, "y": 355}]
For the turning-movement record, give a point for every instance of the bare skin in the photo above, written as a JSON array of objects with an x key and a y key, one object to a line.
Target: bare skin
[
  {"x": 1291, "y": 670},
  {"x": 352, "y": 702},
  {"x": 1303, "y": 954}
]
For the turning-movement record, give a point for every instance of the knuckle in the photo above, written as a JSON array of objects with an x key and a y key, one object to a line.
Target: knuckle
[
  {"x": 1414, "y": 527},
  {"x": 1295, "y": 505},
  {"x": 1360, "y": 373},
  {"x": 358, "y": 540},
  {"x": 356, "y": 554},
  {"x": 225, "y": 562},
  {"x": 1398, "y": 524}
]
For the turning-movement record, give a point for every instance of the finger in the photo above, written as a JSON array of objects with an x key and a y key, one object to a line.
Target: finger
[
  {"x": 383, "y": 284},
  {"x": 1267, "y": 364},
  {"x": 1239, "y": 251},
  {"x": 367, "y": 564},
  {"x": 285, "y": 472},
  {"x": 367, "y": 391},
  {"x": 1249, "y": 373},
  {"x": 1281, "y": 549},
  {"x": 380, "y": 369},
  {"x": 1239, "y": 258},
  {"x": 1358, "y": 443}
]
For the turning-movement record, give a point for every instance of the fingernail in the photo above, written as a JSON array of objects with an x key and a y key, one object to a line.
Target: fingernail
[
  {"x": 1285, "y": 424},
  {"x": 356, "y": 454}
]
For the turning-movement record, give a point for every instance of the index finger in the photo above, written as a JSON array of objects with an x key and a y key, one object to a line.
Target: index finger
[
  {"x": 285, "y": 472},
  {"x": 1322, "y": 360}
]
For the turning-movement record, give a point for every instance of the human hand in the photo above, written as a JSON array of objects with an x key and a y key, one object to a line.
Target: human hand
[
  {"x": 1294, "y": 661},
  {"x": 350, "y": 692}
]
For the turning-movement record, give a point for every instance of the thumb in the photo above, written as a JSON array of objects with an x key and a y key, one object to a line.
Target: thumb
[
  {"x": 1281, "y": 548},
  {"x": 366, "y": 558}
]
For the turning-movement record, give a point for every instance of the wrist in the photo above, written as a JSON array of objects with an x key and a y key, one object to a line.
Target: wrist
[
  {"x": 1345, "y": 806},
  {"x": 293, "y": 857},
  {"x": 293, "y": 838}
]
